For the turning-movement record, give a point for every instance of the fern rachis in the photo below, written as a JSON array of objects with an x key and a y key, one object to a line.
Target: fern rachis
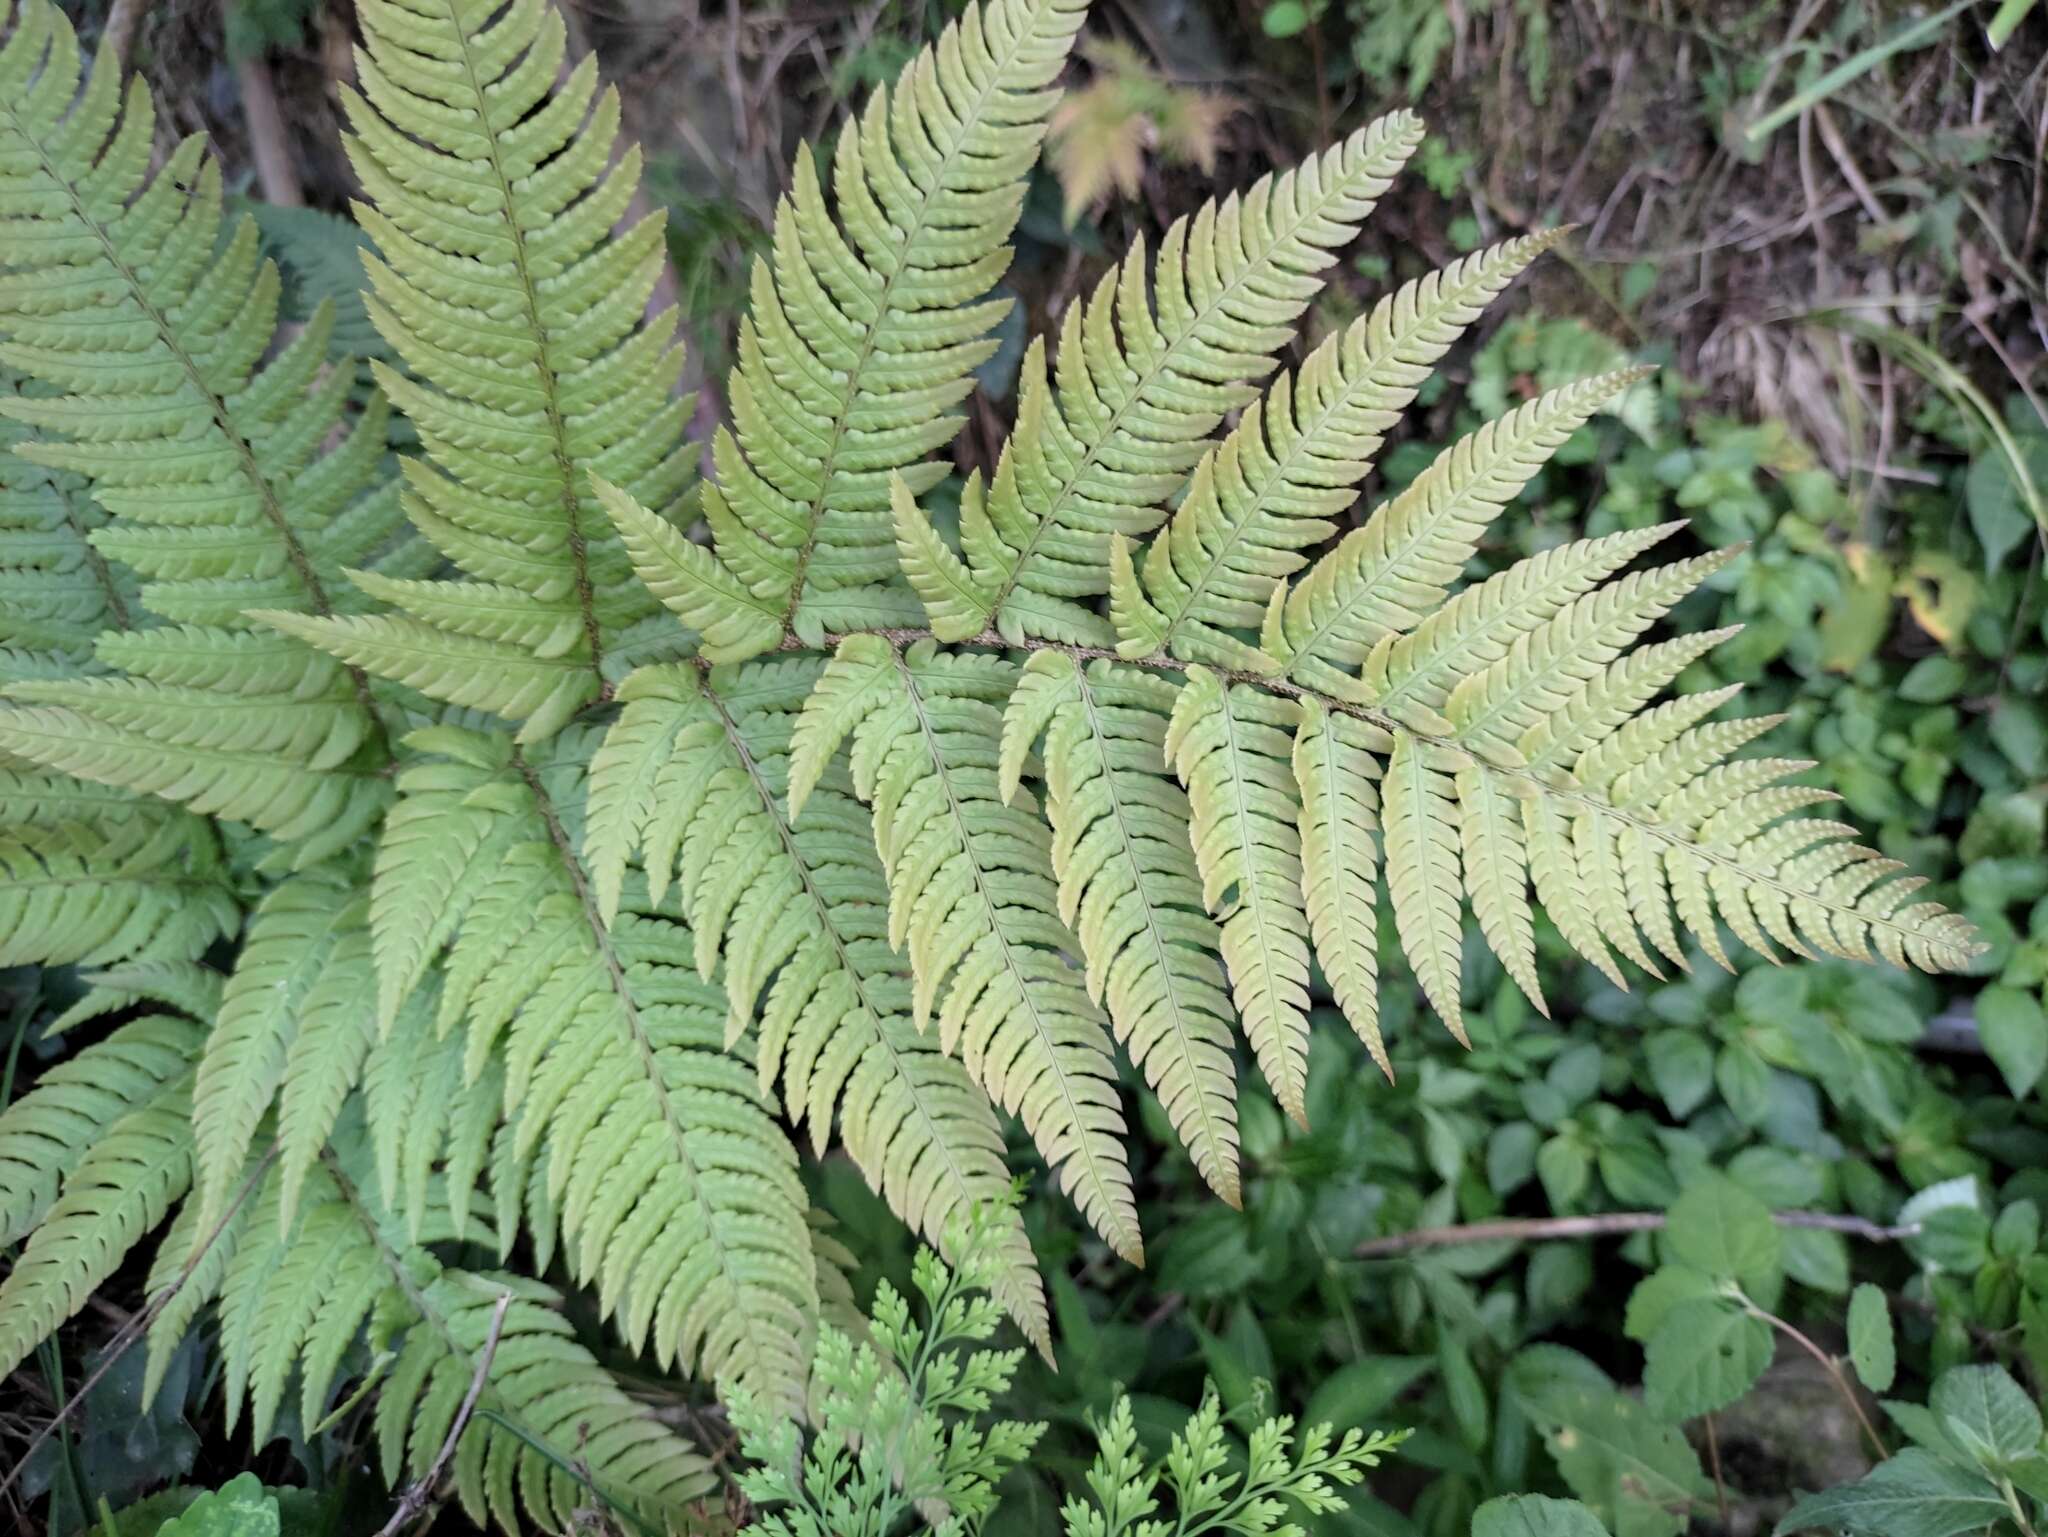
[{"x": 575, "y": 862}]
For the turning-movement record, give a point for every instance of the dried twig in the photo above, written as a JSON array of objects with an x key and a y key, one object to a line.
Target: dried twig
[
  {"x": 1601, "y": 1225},
  {"x": 420, "y": 1492}
]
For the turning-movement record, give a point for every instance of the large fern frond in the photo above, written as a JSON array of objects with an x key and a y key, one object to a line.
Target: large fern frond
[
  {"x": 1130, "y": 889},
  {"x": 695, "y": 774},
  {"x": 674, "y": 1190},
  {"x": 1142, "y": 381},
  {"x": 148, "y": 324},
  {"x": 150, "y": 886},
  {"x": 865, "y": 331},
  {"x": 973, "y": 902}
]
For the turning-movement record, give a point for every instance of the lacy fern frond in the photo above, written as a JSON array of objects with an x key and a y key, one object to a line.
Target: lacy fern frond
[
  {"x": 492, "y": 188},
  {"x": 554, "y": 985},
  {"x": 864, "y": 334},
  {"x": 146, "y": 324}
]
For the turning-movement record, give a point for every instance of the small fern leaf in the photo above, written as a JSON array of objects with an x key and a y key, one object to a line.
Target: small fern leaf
[
  {"x": 45, "y": 1132},
  {"x": 1143, "y": 379},
  {"x": 305, "y": 926},
  {"x": 1336, "y": 766},
  {"x": 1496, "y": 866},
  {"x": 122, "y": 1187},
  {"x": 1232, "y": 748},
  {"x": 862, "y": 335},
  {"x": 1384, "y": 578},
  {"x": 972, "y": 899},
  {"x": 1423, "y": 875},
  {"x": 1130, "y": 890},
  {"x": 690, "y": 582},
  {"x": 1271, "y": 488}
]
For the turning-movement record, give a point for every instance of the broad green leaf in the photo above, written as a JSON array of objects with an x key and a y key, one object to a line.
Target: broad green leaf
[
  {"x": 1719, "y": 1227},
  {"x": 2015, "y": 1032},
  {"x": 1681, "y": 1069},
  {"x": 1989, "y": 1414},
  {"x": 1535, "y": 1515},
  {"x": 1705, "y": 1354},
  {"x": 1637, "y": 1474},
  {"x": 241, "y": 1507},
  {"x": 1913, "y": 1494},
  {"x": 1871, "y": 1350}
]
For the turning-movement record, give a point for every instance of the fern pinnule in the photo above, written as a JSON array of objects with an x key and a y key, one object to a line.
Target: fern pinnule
[{"x": 1337, "y": 765}]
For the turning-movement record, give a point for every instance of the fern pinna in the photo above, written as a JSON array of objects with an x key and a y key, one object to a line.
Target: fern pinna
[{"x": 571, "y": 865}]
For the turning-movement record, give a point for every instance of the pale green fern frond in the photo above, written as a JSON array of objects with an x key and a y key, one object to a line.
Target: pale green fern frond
[
  {"x": 431, "y": 1126},
  {"x": 1268, "y": 491},
  {"x": 1142, "y": 381},
  {"x": 300, "y": 985},
  {"x": 865, "y": 331},
  {"x": 1129, "y": 887},
  {"x": 1337, "y": 764},
  {"x": 1232, "y": 747},
  {"x": 152, "y": 885},
  {"x": 795, "y": 919},
  {"x": 45, "y": 1133},
  {"x": 122, "y": 1186},
  {"x": 973, "y": 902},
  {"x": 674, "y": 1192},
  {"x": 493, "y": 184},
  {"x": 553, "y": 1434}
]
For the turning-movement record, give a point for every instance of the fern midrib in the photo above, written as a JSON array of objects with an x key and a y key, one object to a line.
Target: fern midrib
[
  {"x": 551, "y": 404},
  {"x": 937, "y": 1135},
  {"x": 815, "y": 513},
  {"x": 629, "y": 1016},
  {"x": 1211, "y": 1135},
  {"x": 102, "y": 573},
  {"x": 266, "y": 495},
  {"x": 1026, "y": 993},
  {"x": 1252, "y": 899},
  {"x": 1167, "y": 357},
  {"x": 992, "y": 640}
]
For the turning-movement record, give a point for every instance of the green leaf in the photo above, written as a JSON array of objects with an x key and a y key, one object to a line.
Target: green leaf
[
  {"x": 1285, "y": 18},
  {"x": 241, "y": 1507},
  {"x": 1681, "y": 1069},
  {"x": 1363, "y": 1390},
  {"x": 1932, "y": 680},
  {"x": 1988, "y": 1413},
  {"x": 2015, "y": 1032},
  {"x": 1871, "y": 1350},
  {"x": 1705, "y": 1354},
  {"x": 1719, "y": 1227},
  {"x": 1661, "y": 1291},
  {"x": 1637, "y": 1474},
  {"x": 1535, "y": 1515},
  {"x": 2019, "y": 731},
  {"x": 1991, "y": 492},
  {"x": 1914, "y": 1494}
]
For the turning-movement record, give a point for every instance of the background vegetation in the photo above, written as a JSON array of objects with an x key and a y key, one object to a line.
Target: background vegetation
[{"x": 1827, "y": 221}]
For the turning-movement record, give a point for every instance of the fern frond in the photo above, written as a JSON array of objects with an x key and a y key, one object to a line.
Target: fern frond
[
  {"x": 430, "y": 1125},
  {"x": 553, "y": 1431},
  {"x": 121, "y": 1188},
  {"x": 1269, "y": 490},
  {"x": 1129, "y": 887},
  {"x": 865, "y": 330},
  {"x": 493, "y": 184},
  {"x": 1384, "y": 578},
  {"x": 675, "y": 1192},
  {"x": 151, "y": 886},
  {"x": 1143, "y": 380},
  {"x": 299, "y": 995},
  {"x": 57, "y": 591},
  {"x": 45, "y": 1132},
  {"x": 794, "y": 917},
  {"x": 1232, "y": 747},
  {"x": 972, "y": 900}
]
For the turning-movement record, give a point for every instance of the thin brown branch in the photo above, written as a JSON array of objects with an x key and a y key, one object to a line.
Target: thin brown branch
[
  {"x": 420, "y": 1492},
  {"x": 1601, "y": 1225},
  {"x": 269, "y": 148}
]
